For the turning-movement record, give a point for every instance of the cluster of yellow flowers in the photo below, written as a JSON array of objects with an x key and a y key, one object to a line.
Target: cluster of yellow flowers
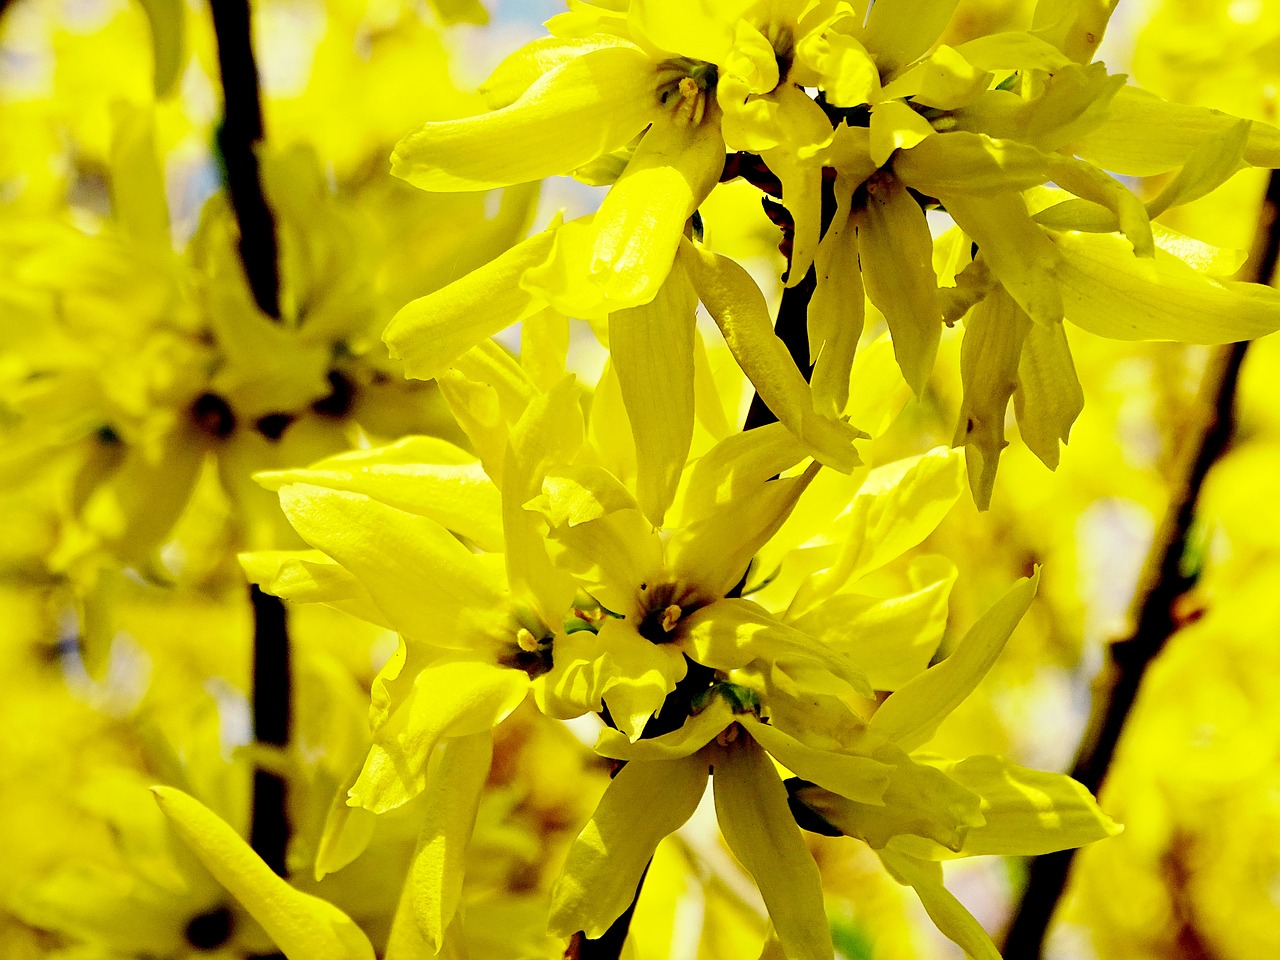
[{"x": 516, "y": 545}]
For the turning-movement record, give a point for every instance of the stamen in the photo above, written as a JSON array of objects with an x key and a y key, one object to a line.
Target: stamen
[
  {"x": 526, "y": 640},
  {"x": 670, "y": 617}
]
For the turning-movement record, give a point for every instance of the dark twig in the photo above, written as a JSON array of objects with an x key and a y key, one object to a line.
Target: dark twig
[
  {"x": 1166, "y": 578},
  {"x": 272, "y": 684},
  {"x": 240, "y": 132}
]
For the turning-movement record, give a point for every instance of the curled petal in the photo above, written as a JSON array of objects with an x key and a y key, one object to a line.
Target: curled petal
[
  {"x": 302, "y": 926},
  {"x": 645, "y": 802},
  {"x": 587, "y": 106}
]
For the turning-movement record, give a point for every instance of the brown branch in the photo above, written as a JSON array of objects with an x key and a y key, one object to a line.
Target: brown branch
[
  {"x": 238, "y": 135},
  {"x": 1166, "y": 578}
]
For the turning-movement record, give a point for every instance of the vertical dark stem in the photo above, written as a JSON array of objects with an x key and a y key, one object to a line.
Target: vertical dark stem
[
  {"x": 240, "y": 132},
  {"x": 792, "y": 327},
  {"x": 1166, "y": 578},
  {"x": 272, "y": 684}
]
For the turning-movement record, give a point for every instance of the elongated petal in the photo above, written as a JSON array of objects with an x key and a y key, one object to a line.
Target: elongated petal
[
  {"x": 1027, "y": 812},
  {"x": 696, "y": 733},
  {"x": 1208, "y": 166},
  {"x": 612, "y": 557},
  {"x": 638, "y": 674},
  {"x": 911, "y": 715},
  {"x": 646, "y": 801},
  {"x": 751, "y": 805},
  {"x": 858, "y": 778},
  {"x": 652, "y": 348},
  {"x": 1112, "y": 293},
  {"x": 623, "y": 255},
  {"x": 1144, "y": 135},
  {"x": 589, "y": 105},
  {"x": 450, "y": 700},
  {"x": 993, "y": 335},
  {"x": 733, "y": 632},
  {"x": 893, "y": 640},
  {"x": 836, "y": 311},
  {"x": 960, "y": 162},
  {"x": 431, "y": 332},
  {"x": 701, "y": 30},
  {"x": 737, "y": 467},
  {"x": 897, "y": 259},
  {"x": 420, "y": 475},
  {"x": 302, "y": 926},
  {"x": 918, "y": 801},
  {"x": 898, "y": 506},
  {"x": 549, "y": 433},
  {"x": 738, "y": 307},
  {"x": 1049, "y": 396},
  {"x": 944, "y": 79},
  {"x": 714, "y": 552},
  {"x": 947, "y": 913},
  {"x": 1015, "y": 50},
  {"x": 1087, "y": 181},
  {"x": 895, "y": 126},
  {"x": 387, "y": 550},
  {"x": 454, "y": 784},
  {"x": 1019, "y": 253},
  {"x": 311, "y": 577},
  {"x": 899, "y": 31},
  {"x": 521, "y": 69}
]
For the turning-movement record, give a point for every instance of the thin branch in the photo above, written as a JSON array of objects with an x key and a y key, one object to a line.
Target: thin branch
[
  {"x": 272, "y": 685},
  {"x": 1166, "y": 578},
  {"x": 238, "y": 135}
]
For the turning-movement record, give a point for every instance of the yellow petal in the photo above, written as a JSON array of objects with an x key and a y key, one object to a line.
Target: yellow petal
[
  {"x": 897, "y": 258},
  {"x": 944, "y": 80},
  {"x": 454, "y": 785},
  {"x": 1016, "y": 248},
  {"x": 645, "y": 802},
  {"x": 918, "y": 802},
  {"x": 1110, "y": 292},
  {"x": 858, "y": 778},
  {"x": 420, "y": 475},
  {"x": 947, "y": 913},
  {"x": 431, "y": 332},
  {"x": 587, "y": 106},
  {"x": 387, "y": 550},
  {"x": 961, "y": 162},
  {"x": 894, "y": 125},
  {"x": 891, "y": 639},
  {"x": 652, "y": 348},
  {"x": 1049, "y": 397},
  {"x": 898, "y": 31},
  {"x": 1144, "y": 135},
  {"x": 993, "y": 334},
  {"x": 623, "y": 257},
  {"x": 713, "y": 552},
  {"x": 738, "y": 307},
  {"x": 549, "y": 433},
  {"x": 1027, "y": 812},
  {"x": 751, "y": 805},
  {"x": 911, "y": 715},
  {"x": 897, "y": 506},
  {"x": 302, "y": 926},
  {"x": 450, "y": 700}
]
